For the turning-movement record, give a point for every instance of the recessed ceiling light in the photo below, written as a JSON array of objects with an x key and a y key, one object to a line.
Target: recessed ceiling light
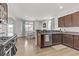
[
  {"x": 26, "y": 16},
  {"x": 61, "y": 7}
]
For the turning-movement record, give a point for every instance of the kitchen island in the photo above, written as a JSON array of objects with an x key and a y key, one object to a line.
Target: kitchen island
[
  {"x": 48, "y": 38},
  {"x": 7, "y": 46}
]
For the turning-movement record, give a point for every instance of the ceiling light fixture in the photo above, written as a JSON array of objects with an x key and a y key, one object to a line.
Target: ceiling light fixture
[{"x": 61, "y": 7}]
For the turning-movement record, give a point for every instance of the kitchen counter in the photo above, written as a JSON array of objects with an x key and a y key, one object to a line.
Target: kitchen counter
[
  {"x": 50, "y": 32},
  {"x": 57, "y": 32},
  {"x": 60, "y": 32},
  {"x": 71, "y": 33}
]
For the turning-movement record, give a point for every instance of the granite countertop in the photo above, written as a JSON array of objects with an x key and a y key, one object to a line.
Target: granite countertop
[
  {"x": 58, "y": 32},
  {"x": 71, "y": 33},
  {"x": 54, "y": 32}
]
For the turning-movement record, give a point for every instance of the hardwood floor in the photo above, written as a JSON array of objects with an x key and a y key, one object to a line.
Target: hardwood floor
[{"x": 26, "y": 47}]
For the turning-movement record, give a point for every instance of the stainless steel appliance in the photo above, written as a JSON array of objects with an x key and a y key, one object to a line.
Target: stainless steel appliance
[{"x": 47, "y": 40}]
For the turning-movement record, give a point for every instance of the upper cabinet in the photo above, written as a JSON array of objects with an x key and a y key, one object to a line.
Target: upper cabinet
[
  {"x": 61, "y": 22},
  {"x": 68, "y": 20},
  {"x": 71, "y": 20},
  {"x": 75, "y": 19},
  {"x": 4, "y": 12}
]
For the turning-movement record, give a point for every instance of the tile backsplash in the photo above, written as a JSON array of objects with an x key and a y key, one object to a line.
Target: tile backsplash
[{"x": 70, "y": 29}]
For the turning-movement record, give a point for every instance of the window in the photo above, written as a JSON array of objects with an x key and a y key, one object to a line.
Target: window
[
  {"x": 10, "y": 29},
  {"x": 29, "y": 26},
  {"x": 49, "y": 25}
]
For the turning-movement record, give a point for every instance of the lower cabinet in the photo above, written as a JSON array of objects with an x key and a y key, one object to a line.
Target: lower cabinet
[
  {"x": 56, "y": 39},
  {"x": 39, "y": 40},
  {"x": 42, "y": 41},
  {"x": 68, "y": 40},
  {"x": 65, "y": 39},
  {"x": 76, "y": 42}
]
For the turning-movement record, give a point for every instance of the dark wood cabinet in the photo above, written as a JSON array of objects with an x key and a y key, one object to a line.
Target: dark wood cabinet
[
  {"x": 61, "y": 21},
  {"x": 42, "y": 41},
  {"x": 56, "y": 39},
  {"x": 65, "y": 21},
  {"x": 68, "y": 20},
  {"x": 76, "y": 42},
  {"x": 68, "y": 40},
  {"x": 75, "y": 19}
]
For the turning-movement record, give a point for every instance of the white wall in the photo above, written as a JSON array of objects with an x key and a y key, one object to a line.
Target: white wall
[
  {"x": 11, "y": 26},
  {"x": 56, "y": 24},
  {"x": 46, "y": 25},
  {"x": 38, "y": 25},
  {"x": 50, "y": 24},
  {"x": 18, "y": 29},
  {"x": 18, "y": 24}
]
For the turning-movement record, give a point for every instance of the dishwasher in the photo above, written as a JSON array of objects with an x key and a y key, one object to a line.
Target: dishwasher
[{"x": 47, "y": 40}]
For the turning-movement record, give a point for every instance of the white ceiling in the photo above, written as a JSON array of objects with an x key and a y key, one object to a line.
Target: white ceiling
[{"x": 37, "y": 11}]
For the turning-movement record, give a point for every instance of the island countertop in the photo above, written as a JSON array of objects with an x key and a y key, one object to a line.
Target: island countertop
[{"x": 49, "y": 32}]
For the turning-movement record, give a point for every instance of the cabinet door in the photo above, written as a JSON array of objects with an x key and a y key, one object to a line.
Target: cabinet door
[
  {"x": 65, "y": 40},
  {"x": 76, "y": 42},
  {"x": 56, "y": 39},
  {"x": 68, "y": 40},
  {"x": 42, "y": 41},
  {"x": 61, "y": 22},
  {"x": 75, "y": 19},
  {"x": 68, "y": 20},
  {"x": 38, "y": 40}
]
